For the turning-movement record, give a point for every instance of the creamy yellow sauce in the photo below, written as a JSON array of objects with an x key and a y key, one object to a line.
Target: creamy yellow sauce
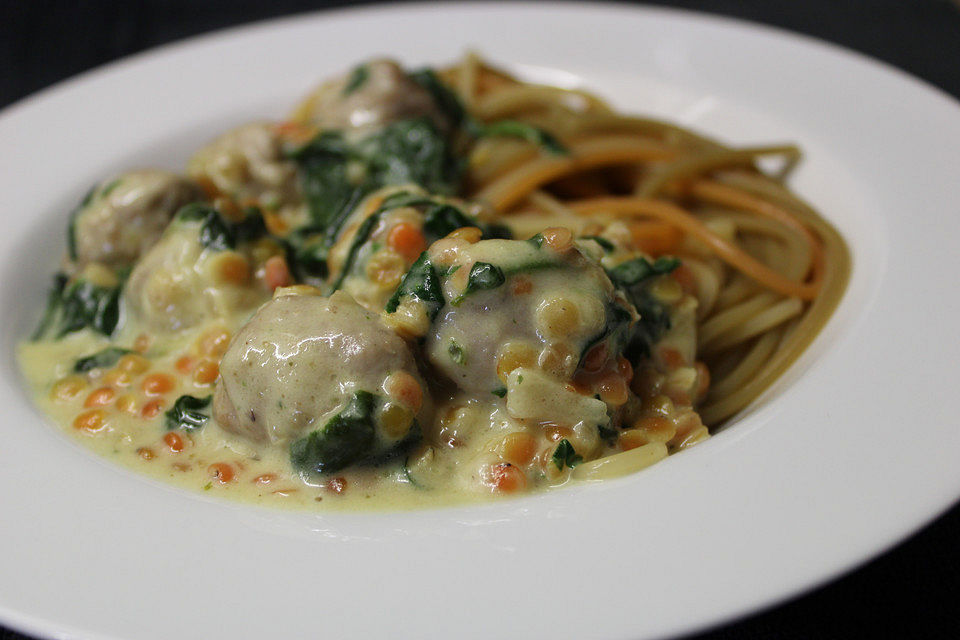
[{"x": 481, "y": 366}]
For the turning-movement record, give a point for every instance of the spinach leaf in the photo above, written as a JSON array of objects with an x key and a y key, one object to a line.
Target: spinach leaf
[
  {"x": 220, "y": 234},
  {"x": 100, "y": 360},
  {"x": 363, "y": 233},
  {"x": 654, "y": 322},
  {"x": 336, "y": 174},
  {"x": 634, "y": 278},
  {"x": 616, "y": 331},
  {"x": 422, "y": 283},
  {"x": 566, "y": 455},
  {"x": 442, "y": 219},
  {"x": 307, "y": 254},
  {"x": 482, "y": 277},
  {"x": 54, "y": 298},
  {"x": 327, "y": 188},
  {"x": 523, "y": 131},
  {"x": 186, "y": 414},
  {"x": 345, "y": 439},
  {"x": 72, "y": 223},
  {"x": 450, "y": 105},
  {"x": 358, "y": 77},
  {"x": 411, "y": 151},
  {"x": 81, "y": 304},
  {"x": 635, "y": 271},
  {"x": 445, "y": 99}
]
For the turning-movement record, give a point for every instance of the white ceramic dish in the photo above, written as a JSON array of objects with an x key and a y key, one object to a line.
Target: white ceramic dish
[{"x": 853, "y": 450}]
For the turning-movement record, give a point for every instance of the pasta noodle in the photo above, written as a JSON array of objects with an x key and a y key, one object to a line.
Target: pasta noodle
[{"x": 682, "y": 179}]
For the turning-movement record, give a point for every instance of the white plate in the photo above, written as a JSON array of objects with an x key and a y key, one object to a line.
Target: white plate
[{"x": 853, "y": 450}]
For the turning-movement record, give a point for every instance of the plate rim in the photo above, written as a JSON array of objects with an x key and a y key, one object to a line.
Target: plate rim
[{"x": 34, "y": 98}]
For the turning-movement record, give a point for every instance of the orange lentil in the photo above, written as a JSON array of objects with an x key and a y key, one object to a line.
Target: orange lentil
[
  {"x": 404, "y": 387},
  {"x": 126, "y": 404},
  {"x": 337, "y": 485},
  {"x": 151, "y": 409},
  {"x": 470, "y": 234},
  {"x": 133, "y": 363},
  {"x": 556, "y": 433},
  {"x": 222, "y": 471},
  {"x": 503, "y": 477},
  {"x": 656, "y": 428},
  {"x": 184, "y": 364},
  {"x": 90, "y": 421},
  {"x": 557, "y": 238},
  {"x": 100, "y": 397},
  {"x": 265, "y": 478},
  {"x": 146, "y": 453},
  {"x": 142, "y": 343},
  {"x": 207, "y": 372},
  {"x": 407, "y": 240},
  {"x": 613, "y": 390},
  {"x": 174, "y": 441},
  {"x": 213, "y": 342},
  {"x": 68, "y": 388},
  {"x": 276, "y": 273},
  {"x": 518, "y": 448},
  {"x": 118, "y": 378},
  {"x": 157, "y": 384},
  {"x": 232, "y": 268}
]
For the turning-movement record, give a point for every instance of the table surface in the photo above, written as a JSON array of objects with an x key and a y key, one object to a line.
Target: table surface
[{"x": 908, "y": 592}]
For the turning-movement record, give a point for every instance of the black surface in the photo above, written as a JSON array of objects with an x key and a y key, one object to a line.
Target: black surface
[{"x": 911, "y": 592}]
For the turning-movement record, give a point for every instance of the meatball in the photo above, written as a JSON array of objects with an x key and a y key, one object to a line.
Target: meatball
[
  {"x": 126, "y": 215},
  {"x": 191, "y": 276},
  {"x": 324, "y": 376},
  {"x": 514, "y": 303},
  {"x": 535, "y": 322},
  {"x": 248, "y": 165},
  {"x": 370, "y": 97}
]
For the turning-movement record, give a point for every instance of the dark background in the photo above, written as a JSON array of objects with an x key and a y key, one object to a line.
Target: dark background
[{"x": 912, "y": 591}]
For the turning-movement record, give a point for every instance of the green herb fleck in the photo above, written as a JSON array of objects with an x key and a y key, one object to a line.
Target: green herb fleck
[
  {"x": 457, "y": 353},
  {"x": 566, "y": 455},
  {"x": 500, "y": 392}
]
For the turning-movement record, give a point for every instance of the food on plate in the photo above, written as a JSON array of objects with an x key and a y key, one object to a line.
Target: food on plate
[{"x": 429, "y": 286}]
